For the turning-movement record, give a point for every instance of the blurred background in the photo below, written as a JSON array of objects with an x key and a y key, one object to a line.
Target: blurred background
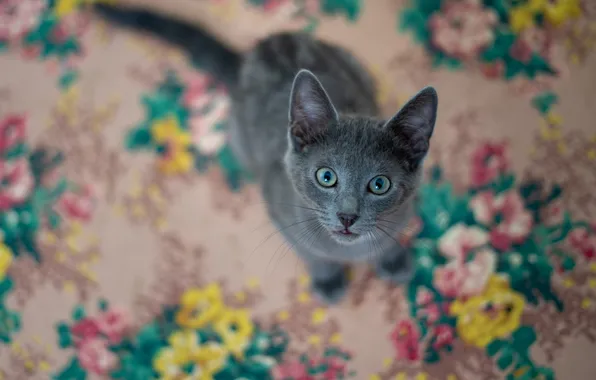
[{"x": 134, "y": 246}]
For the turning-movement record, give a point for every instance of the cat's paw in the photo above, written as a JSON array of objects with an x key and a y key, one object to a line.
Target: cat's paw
[
  {"x": 333, "y": 289},
  {"x": 396, "y": 266}
]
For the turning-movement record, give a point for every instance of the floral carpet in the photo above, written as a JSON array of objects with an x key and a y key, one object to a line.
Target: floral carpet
[{"x": 134, "y": 246}]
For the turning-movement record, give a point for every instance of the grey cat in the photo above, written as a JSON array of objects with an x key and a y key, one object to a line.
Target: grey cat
[{"x": 338, "y": 180}]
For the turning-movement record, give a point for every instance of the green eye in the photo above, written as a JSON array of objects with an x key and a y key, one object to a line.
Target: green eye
[
  {"x": 326, "y": 177},
  {"x": 379, "y": 185}
]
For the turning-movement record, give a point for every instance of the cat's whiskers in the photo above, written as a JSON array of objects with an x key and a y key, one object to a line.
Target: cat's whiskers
[{"x": 278, "y": 231}]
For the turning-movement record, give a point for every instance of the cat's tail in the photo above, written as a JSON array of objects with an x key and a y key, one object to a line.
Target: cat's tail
[{"x": 204, "y": 50}]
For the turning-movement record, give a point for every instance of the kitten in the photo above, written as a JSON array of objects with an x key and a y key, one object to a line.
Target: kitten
[{"x": 338, "y": 180}]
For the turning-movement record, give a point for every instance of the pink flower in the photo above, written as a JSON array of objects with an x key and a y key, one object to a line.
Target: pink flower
[
  {"x": 85, "y": 330},
  {"x": 18, "y": 17},
  {"x": 488, "y": 162},
  {"x": 291, "y": 370},
  {"x": 444, "y": 336},
  {"x": 16, "y": 183},
  {"x": 196, "y": 97},
  {"x": 510, "y": 221},
  {"x": 78, "y": 204},
  {"x": 460, "y": 239},
  {"x": 272, "y": 5},
  {"x": 114, "y": 323},
  {"x": 206, "y": 137},
  {"x": 463, "y": 279},
  {"x": 448, "y": 279},
  {"x": 462, "y": 29},
  {"x": 405, "y": 338},
  {"x": 12, "y": 132},
  {"x": 584, "y": 242},
  {"x": 95, "y": 356}
]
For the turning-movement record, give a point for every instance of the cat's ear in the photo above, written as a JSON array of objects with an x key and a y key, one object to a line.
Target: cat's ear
[
  {"x": 311, "y": 110},
  {"x": 413, "y": 125}
]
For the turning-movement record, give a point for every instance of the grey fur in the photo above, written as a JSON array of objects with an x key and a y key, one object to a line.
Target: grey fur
[{"x": 329, "y": 99}]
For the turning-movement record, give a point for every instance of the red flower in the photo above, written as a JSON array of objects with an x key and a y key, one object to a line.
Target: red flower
[
  {"x": 114, "y": 324},
  {"x": 78, "y": 204},
  {"x": 336, "y": 369},
  {"x": 493, "y": 70},
  {"x": 16, "y": 183},
  {"x": 86, "y": 329},
  {"x": 488, "y": 162},
  {"x": 405, "y": 338},
  {"x": 12, "y": 132},
  {"x": 584, "y": 242},
  {"x": 95, "y": 356},
  {"x": 443, "y": 336},
  {"x": 291, "y": 370}
]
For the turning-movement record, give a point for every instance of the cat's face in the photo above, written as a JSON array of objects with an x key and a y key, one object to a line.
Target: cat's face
[{"x": 357, "y": 174}]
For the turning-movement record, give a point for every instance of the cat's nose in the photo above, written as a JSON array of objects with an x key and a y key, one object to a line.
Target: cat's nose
[{"x": 347, "y": 220}]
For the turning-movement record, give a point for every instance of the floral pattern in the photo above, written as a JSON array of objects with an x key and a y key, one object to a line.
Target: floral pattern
[{"x": 130, "y": 236}]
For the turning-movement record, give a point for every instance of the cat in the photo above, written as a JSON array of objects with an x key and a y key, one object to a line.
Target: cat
[{"x": 338, "y": 180}]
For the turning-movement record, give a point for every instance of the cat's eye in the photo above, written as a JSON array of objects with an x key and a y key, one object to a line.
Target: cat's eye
[
  {"x": 379, "y": 185},
  {"x": 326, "y": 177}
]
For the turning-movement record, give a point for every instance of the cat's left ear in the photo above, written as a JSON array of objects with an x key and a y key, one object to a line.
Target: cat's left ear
[{"x": 413, "y": 125}]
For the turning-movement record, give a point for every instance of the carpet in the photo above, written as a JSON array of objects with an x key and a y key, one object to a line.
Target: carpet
[{"x": 134, "y": 246}]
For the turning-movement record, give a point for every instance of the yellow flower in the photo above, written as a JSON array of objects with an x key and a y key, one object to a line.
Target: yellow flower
[
  {"x": 200, "y": 307},
  {"x": 520, "y": 19},
  {"x": 172, "y": 362},
  {"x": 64, "y": 7},
  {"x": 562, "y": 10},
  {"x": 493, "y": 314},
  {"x": 555, "y": 12},
  {"x": 235, "y": 328},
  {"x": 5, "y": 260},
  {"x": 176, "y": 161},
  {"x": 212, "y": 357},
  {"x": 169, "y": 131}
]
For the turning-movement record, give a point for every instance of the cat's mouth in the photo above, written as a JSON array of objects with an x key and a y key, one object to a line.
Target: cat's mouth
[
  {"x": 345, "y": 231},
  {"x": 346, "y": 236}
]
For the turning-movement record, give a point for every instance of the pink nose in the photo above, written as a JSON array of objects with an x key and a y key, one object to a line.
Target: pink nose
[{"x": 347, "y": 220}]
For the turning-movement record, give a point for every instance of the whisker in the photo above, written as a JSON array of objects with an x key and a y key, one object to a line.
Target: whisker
[
  {"x": 388, "y": 234},
  {"x": 276, "y": 232}
]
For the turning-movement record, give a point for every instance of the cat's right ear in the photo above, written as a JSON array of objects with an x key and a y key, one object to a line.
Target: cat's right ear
[{"x": 311, "y": 110}]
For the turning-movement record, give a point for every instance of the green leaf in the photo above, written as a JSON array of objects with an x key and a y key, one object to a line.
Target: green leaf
[
  {"x": 350, "y": 8},
  {"x": 72, "y": 371},
  {"x": 103, "y": 304},
  {"x": 523, "y": 338},
  {"x": 139, "y": 138},
  {"x": 16, "y": 151},
  {"x": 505, "y": 358},
  {"x": 68, "y": 79},
  {"x": 494, "y": 347},
  {"x": 78, "y": 313},
  {"x": 543, "y": 102},
  {"x": 54, "y": 219},
  {"x": 231, "y": 168}
]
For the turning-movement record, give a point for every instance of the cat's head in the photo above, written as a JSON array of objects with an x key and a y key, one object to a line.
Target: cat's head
[{"x": 359, "y": 173}]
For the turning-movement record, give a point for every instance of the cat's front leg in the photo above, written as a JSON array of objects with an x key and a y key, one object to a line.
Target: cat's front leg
[
  {"x": 329, "y": 280},
  {"x": 395, "y": 265}
]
